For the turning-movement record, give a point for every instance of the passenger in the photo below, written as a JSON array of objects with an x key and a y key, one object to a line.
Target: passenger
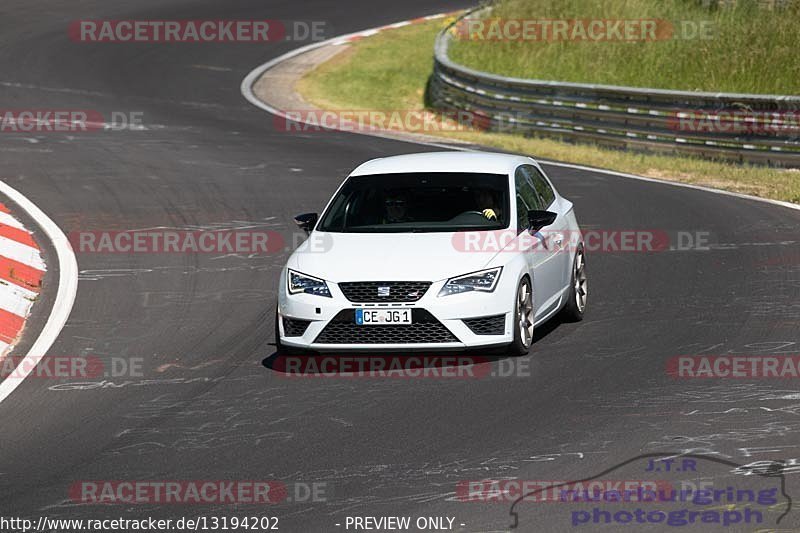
[{"x": 396, "y": 209}]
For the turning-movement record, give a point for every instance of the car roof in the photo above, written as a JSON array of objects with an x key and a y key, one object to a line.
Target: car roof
[{"x": 479, "y": 162}]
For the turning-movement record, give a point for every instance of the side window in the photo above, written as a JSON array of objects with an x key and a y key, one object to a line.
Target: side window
[
  {"x": 522, "y": 215},
  {"x": 541, "y": 185},
  {"x": 527, "y": 198}
]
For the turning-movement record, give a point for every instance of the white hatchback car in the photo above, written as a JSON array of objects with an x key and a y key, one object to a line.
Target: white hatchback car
[{"x": 449, "y": 250}]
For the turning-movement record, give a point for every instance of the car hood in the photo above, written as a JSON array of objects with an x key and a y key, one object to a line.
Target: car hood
[{"x": 341, "y": 257}]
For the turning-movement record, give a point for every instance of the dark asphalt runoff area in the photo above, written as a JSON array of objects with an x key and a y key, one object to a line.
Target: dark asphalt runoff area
[{"x": 590, "y": 396}]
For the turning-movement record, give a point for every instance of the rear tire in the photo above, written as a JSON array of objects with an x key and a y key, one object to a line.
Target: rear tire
[
  {"x": 576, "y": 296},
  {"x": 523, "y": 319}
]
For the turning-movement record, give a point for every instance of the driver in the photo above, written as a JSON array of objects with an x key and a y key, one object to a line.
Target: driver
[{"x": 484, "y": 199}]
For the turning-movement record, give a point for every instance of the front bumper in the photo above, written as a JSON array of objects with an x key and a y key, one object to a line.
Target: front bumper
[{"x": 438, "y": 323}]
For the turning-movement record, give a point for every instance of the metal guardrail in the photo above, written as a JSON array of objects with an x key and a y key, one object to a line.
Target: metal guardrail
[{"x": 766, "y": 128}]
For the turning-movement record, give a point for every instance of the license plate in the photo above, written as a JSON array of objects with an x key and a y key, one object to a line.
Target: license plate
[{"x": 373, "y": 317}]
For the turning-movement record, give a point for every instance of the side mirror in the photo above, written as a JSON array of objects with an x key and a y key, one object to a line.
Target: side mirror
[
  {"x": 306, "y": 221},
  {"x": 539, "y": 219}
]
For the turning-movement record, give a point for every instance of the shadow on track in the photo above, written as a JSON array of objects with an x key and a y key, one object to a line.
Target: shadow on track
[{"x": 474, "y": 362}]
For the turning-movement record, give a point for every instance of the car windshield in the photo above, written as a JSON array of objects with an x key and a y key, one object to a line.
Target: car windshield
[{"x": 417, "y": 202}]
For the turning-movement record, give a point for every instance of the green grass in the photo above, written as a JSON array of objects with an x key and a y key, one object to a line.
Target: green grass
[
  {"x": 386, "y": 71},
  {"x": 389, "y": 71},
  {"x": 752, "y": 49}
]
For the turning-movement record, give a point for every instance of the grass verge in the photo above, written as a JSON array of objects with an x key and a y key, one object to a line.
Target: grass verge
[
  {"x": 388, "y": 71},
  {"x": 693, "y": 45}
]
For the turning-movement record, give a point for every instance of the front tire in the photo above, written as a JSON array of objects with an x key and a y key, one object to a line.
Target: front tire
[
  {"x": 279, "y": 350},
  {"x": 576, "y": 296},
  {"x": 523, "y": 319}
]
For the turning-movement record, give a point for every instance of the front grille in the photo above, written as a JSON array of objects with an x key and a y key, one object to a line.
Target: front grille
[
  {"x": 369, "y": 291},
  {"x": 487, "y": 325},
  {"x": 342, "y": 329},
  {"x": 294, "y": 327}
]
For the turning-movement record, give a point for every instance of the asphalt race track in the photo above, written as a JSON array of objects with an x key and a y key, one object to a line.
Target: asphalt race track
[{"x": 208, "y": 407}]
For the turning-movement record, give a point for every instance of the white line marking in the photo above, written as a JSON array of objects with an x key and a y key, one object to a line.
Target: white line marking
[
  {"x": 213, "y": 68},
  {"x": 252, "y": 77},
  {"x": 65, "y": 297},
  {"x": 673, "y": 183}
]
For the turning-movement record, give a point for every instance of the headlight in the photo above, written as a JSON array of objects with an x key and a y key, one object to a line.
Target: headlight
[
  {"x": 301, "y": 283},
  {"x": 484, "y": 281}
]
